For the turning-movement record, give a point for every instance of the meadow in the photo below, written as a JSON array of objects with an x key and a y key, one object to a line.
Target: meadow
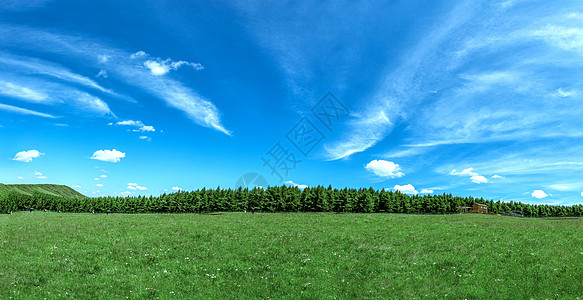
[{"x": 288, "y": 256}]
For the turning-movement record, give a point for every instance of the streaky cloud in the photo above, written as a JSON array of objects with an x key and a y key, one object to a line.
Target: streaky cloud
[
  {"x": 24, "y": 111},
  {"x": 38, "y": 66},
  {"x": 400, "y": 90},
  {"x": 22, "y": 92},
  {"x": 117, "y": 63}
]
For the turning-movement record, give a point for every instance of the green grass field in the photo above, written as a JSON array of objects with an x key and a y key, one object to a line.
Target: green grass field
[{"x": 288, "y": 256}]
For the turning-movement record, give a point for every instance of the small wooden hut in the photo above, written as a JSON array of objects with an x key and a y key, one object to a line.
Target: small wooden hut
[{"x": 480, "y": 208}]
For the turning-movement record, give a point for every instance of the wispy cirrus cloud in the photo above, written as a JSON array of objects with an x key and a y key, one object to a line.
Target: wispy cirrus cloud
[
  {"x": 30, "y": 65},
  {"x": 366, "y": 132},
  {"x": 56, "y": 85},
  {"x": 14, "y": 90},
  {"x": 487, "y": 84},
  {"x": 115, "y": 62},
  {"x": 24, "y": 111},
  {"x": 176, "y": 95},
  {"x": 401, "y": 89},
  {"x": 54, "y": 94}
]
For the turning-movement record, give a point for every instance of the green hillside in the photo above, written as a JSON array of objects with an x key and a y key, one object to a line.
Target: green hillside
[{"x": 49, "y": 189}]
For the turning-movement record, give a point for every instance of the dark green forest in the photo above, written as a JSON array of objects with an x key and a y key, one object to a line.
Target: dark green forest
[{"x": 276, "y": 199}]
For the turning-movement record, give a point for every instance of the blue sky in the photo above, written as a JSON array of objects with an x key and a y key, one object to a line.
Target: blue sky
[{"x": 480, "y": 98}]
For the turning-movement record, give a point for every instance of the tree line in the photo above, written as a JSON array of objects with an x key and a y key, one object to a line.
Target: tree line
[{"x": 277, "y": 199}]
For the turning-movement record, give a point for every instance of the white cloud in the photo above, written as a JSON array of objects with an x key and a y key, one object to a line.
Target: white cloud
[
  {"x": 539, "y": 194},
  {"x": 27, "y": 156},
  {"x": 20, "y": 177},
  {"x": 135, "y": 186},
  {"x": 300, "y": 186},
  {"x": 406, "y": 189},
  {"x": 426, "y": 191},
  {"x": 103, "y": 176},
  {"x": 126, "y": 193},
  {"x": 77, "y": 186},
  {"x": 143, "y": 137},
  {"x": 24, "y": 111},
  {"x": 99, "y": 184},
  {"x": 175, "y": 188},
  {"x": 156, "y": 68},
  {"x": 96, "y": 179},
  {"x": 39, "y": 175},
  {"x": 161, "y": 67},
  {"x": 581, "y": 194},
  {"x": 497, "y": 176},
  {"x": 130, "y": 123},
  {"x": 108, "y": 155},
  {"x": 143, "y": 128},
  {"x": 465, "y": 172},
  {"x": 146, "y": 128},
  {"x": 474, "y": 177},
  {"x": 479, "y": 179},
  {"x": 383, "y": 168}
]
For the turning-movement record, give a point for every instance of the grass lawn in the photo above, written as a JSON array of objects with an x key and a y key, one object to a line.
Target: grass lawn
[{"x": 288, "y": 256}]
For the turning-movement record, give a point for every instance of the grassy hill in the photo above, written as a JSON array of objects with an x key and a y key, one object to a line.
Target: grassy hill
[{"x": 49, "y": 189}]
